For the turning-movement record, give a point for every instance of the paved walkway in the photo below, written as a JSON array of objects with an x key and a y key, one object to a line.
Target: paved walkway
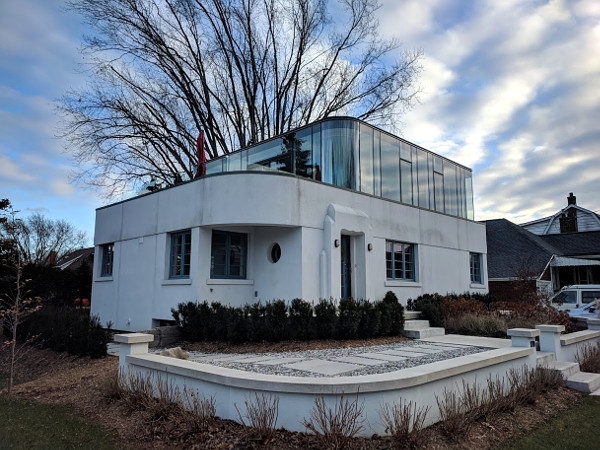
[{"x": 349, "y": 361}]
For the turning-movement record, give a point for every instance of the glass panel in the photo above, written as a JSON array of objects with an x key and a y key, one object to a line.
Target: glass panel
[
  {"x": 389, "y": 263},
  {"x": 218, "y": 258},
  {"x": 438, "y": 165},
  {"x": 450, "y": 191},
  {"x": 406, "y": 172},
  {"x": 398, "y": 260},
  {"x": 423, "y": 179},
  {"x": 390, "y": 174},
  {"x": 409, "y": 266},
  {"x": 233, "y": 162},
  {"x": 405, "y": 151},
  {"x": 366, "y": 159},
  {"x": 377, "y": 163},
  {"x": 176, "y": 244},
  {"x": 275, "y": 155},
  {"x": 316, "y": 140},
  {"x": 339, "y": 141},
  {"x": 461, "y": 200},
  {"x": 438, "y": 180},
  {"x": 237, "y": 255},
  {"x": 415, "y": 184},
  {"x": 214, "y": 166},
  {"x": 469, "y": 195},
  {"x": 431, "y": 182},
  {"x": 187, "y": 247},
  {"x": 302, "y": 145}
]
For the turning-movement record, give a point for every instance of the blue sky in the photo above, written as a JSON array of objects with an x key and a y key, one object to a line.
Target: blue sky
[{"x": 511, "y": 89}]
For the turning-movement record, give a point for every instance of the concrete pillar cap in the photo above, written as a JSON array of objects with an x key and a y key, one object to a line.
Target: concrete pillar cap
[
  {"x": 133, "y": 338},
  {"x": 551, "y": 328}
]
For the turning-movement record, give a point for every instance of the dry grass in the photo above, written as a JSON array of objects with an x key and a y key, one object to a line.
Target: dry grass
[
  {"x": 261, "y": 415},
  {"x": 335, "y": 427},
  {"x": 588, "y": 358},
  {"x": 404, "y": 421}
]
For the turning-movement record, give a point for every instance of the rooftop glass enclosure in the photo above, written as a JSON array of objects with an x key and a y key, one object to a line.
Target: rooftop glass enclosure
[{"x": 351, "y": 154}]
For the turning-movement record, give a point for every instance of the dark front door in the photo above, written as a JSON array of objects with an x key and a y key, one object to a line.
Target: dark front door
[{"x": 346, "y": 267}]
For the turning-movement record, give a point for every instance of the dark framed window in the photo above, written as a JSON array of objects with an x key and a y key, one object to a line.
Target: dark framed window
[
  {"x": 181, "y": 248},
  {"x": 400, "y": 260},
  {"x": 107, "y": 250},
  {"x": 475, "y": 268},
  {"x": 228, "y": 254}
]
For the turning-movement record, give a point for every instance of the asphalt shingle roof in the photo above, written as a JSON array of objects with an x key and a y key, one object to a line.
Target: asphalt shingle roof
[
  {"x": 514, "y": 251},
  {"x": 575, "y": 244}
]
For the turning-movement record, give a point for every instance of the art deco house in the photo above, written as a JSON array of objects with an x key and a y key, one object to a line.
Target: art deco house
[{"x": 335, "y": 209}]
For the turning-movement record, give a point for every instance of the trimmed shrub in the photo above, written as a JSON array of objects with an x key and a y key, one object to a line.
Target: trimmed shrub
[
  {"x": 66, "y": 329},
  {"x": 326, "y": 319},
  {"x": 349, "y": 319},
  {"x": 391, "y": 315},
  {"x": 275, "y": 320},
  {"x": 300, "y": 320},
  {"x": 431, "y": 307}
]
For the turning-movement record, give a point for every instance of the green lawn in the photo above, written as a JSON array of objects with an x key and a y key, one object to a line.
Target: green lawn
[
  {"x": 576, "y": 428},
  {"x": 26, "y": 425}
]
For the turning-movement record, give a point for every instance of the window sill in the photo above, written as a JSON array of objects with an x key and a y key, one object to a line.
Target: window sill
[
  {"x": 102, "y": 279},
  {"x": 477, "y": 286},
  {"x": 176, "y": 281},
  {"x": 228, "y": 281},
  {"x": 399, "y": 283}
]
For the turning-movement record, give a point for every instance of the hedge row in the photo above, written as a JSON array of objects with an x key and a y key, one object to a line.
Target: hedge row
[
  {"x": 299, "y": 320},
  {"x": 66, "y": 329}
]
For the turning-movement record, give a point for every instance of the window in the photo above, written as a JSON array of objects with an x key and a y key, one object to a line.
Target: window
[
  {"x": 400, "y": 261},
  {"x": 181, "y": 247},
  {"x": 475, "y": 268},
  {"x": 107, "y": 250},
  {"x": 228, "y": 255},
  {"x": 275, "y": 253}
]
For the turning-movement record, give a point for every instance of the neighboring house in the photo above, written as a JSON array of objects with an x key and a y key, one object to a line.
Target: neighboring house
[
  {"x": 76, "y": 259},
  {"x": 545, "y": 254},
  {"x": 335, "y": 209}
]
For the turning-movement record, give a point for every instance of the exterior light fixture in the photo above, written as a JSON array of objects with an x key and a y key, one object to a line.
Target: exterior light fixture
[
  {"x": 369, "y": 246},
  {"x": 336, "y": 242}
]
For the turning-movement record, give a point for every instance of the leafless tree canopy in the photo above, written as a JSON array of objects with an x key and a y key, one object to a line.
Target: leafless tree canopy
[
  {"x": 38, "y": 239},
  {"x": 241, "y": 70}
]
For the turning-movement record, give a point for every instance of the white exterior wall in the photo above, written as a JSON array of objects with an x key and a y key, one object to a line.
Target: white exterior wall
[{"x": 303, "y": 216}]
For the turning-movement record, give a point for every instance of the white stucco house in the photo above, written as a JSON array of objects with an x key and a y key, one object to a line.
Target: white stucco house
[{"x": 335, "y": 209}]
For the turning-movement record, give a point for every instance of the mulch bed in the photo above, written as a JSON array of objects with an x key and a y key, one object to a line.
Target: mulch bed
[{"x": 88, "y": 386}]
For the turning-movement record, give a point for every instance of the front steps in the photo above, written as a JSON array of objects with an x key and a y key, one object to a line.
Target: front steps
[
  {"x": 574, "y": 378},
  {"x": 419, "y": 329}
]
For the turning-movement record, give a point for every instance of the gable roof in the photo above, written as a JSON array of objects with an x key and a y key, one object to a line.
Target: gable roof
[
  {"x": 575, "y": 244},
  {"x": 550, "y": 219},
  {"x": 75, "y": 259},
  {"x": 513, "y": 251}
]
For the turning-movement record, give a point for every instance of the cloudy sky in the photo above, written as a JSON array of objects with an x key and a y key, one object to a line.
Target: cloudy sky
[{"x": 511, "y": 89}]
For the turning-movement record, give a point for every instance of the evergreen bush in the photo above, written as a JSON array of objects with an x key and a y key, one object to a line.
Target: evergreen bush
[
  {"x": 326, "y": 319},
  {"x": 300, "y": 320}
]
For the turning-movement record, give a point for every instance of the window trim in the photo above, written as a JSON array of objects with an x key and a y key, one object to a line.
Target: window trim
[
  {"x": 478, "y": 280},
  {"x": 186, "y": 248},
  {"x": 107, "y": 262},
  {"x": 243, "y": 260},
  {"x": 403, "y": 279}
]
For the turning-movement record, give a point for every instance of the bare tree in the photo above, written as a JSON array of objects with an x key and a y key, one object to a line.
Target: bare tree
[
  {"x": 40, "y": 240},
  {"x": 241, "y": 70},
  {"x": 15, "y": 306}
]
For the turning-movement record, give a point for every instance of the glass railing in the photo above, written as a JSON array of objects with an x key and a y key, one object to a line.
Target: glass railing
[{"x": 352, "y": 154}]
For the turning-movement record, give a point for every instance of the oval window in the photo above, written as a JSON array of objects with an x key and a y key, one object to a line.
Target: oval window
[{"x": 275, "y": 253}]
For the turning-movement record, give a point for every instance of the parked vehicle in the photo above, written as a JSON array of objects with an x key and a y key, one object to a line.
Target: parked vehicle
[{"x": 576, "y": 296}]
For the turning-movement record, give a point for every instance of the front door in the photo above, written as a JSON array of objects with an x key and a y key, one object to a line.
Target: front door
[{"x": 346, "y": 267}]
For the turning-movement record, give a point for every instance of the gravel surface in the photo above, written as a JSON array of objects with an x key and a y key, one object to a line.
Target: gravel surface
[{"x": 279, "y": 363}]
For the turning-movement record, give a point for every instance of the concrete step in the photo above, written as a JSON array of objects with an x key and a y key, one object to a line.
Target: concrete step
[
  {"x": 411, "y": 315},
  {"x": 543, "y": 358},
  {"x": 596, "y": 392},
  {"x": 584, "y": 382},
  {"x": 422, "y": 333},
  {"x": 567, "y": 369},
  {"x": 416, "y": 324}
]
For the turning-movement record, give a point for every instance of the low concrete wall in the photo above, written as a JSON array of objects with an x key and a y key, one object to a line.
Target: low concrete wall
[
  {"x": 566, "y": 347},
  {"x": 297, "y": 395}
]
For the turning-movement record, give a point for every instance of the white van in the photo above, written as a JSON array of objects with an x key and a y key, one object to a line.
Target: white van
[{"x": 576, "y": 296}]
